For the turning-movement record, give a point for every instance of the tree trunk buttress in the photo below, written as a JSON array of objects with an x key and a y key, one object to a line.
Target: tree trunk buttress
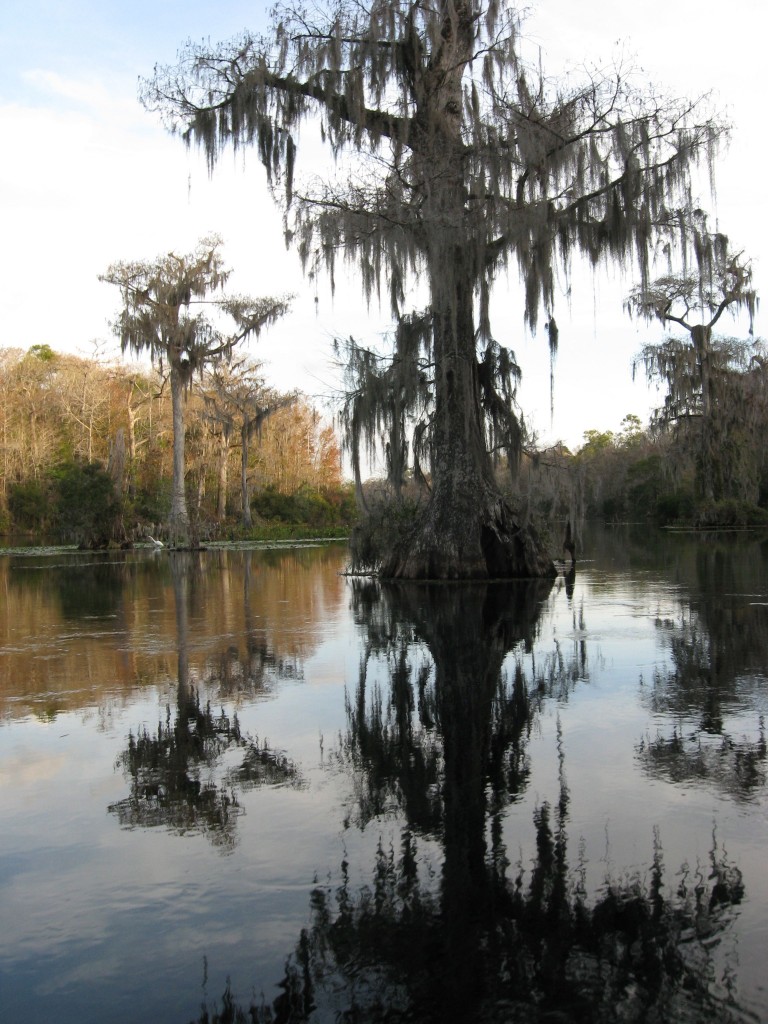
[{"x": 468, "y": 530}]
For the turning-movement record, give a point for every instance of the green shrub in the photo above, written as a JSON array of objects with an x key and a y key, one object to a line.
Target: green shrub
[
  {"x": 679, "y": 506},
  {"x": 5, "y": 521},
  {"x": 307, "y": 507},
  {"x": 88, "y": 511},
  {"x": 29, "y": 505},
  {"x": 730, "y": 514}
]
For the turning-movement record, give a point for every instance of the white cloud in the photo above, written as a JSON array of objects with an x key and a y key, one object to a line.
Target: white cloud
[{"x": 90, "y": 93}]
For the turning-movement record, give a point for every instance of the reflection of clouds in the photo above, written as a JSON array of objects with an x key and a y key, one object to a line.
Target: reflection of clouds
[{"x": 26, "y": 766}]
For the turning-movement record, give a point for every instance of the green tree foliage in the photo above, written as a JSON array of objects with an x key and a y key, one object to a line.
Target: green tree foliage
[
  {"x": 88, "y": 509},
  {"x": 29, "y": 505},
  {"x": 157, "y": 318},
  {"x": 464, "y": 160},
  {"x": 305, "y": 506},
  {"x": 618, "y": 473},
  {"x": 76, "y": 501}
]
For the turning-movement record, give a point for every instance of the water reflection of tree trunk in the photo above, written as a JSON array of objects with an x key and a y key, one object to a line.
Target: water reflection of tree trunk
[
  {"x": 168, "y": 786},
  {"x": 181, "y": 568},
  {"x": 480, "y": 947},
  {"x": 469, "y": 631},
  {"x": 257, "y": 653}
]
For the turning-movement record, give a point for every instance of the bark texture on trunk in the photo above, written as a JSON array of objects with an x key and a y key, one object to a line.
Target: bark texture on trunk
[
  {"x": 178, "y": 521},
  {"x": 221, "y": 497},
  {"x": 468, "y": 529}
]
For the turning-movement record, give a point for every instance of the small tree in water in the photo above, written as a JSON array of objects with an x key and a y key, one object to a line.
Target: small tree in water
[
  {"x": 157, "y": 297},
  {"x": 470, "y": 161}
]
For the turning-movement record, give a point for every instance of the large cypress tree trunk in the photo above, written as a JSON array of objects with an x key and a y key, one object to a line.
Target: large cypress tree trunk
[
  {"x": 178, "y": 520},
  {"x": 468, "y": 530}
]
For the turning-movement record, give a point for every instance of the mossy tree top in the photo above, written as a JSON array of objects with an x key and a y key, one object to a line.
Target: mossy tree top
[
  {"x": 166, "y": 302},
  {"x": 428, "y": 92}
]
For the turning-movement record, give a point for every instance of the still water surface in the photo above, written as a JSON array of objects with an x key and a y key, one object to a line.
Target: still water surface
[{"x": 358, "y": 802}]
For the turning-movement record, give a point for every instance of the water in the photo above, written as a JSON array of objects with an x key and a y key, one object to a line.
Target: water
[{"x": 501, "y": 802}]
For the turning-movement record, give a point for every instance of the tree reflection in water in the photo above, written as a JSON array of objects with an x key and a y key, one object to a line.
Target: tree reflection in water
[
  {"x": 179, "y": 779},
  {"x": 718, "y": 649},
  {"x": 251, "y": 672},
  {"x": 446, "y": 747}
]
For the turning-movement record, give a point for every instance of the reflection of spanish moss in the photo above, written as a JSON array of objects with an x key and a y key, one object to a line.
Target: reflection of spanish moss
[
  {"x": 393, "y": 746},
  {"x": 738, "y": 767},
  {"x": 251, "y": 673},
  {"x": 262, "y": 766},
  {"x": 718, "y": 643},
  {"x": 512, "y": 713},
  {"x": 718, "y": 647},
  {"x": 540, "y": 950},
  {"x": 393, "y": 750},
  {"x": 171, "y": 773},
  {"x": 445, "y": 742}
]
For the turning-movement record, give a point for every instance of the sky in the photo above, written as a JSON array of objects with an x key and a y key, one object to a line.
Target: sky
[{"x": 88, "y": 177}]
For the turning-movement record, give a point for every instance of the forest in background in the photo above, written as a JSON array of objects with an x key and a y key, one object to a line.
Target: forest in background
[
  {"x": 87, "y": 443},
  {"x": 700, "y": 463},
  {"x": 86, "y": 454}
]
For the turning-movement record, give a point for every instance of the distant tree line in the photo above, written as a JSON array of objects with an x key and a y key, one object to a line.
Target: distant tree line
[
  {"x": 677, "y": 470},
  {"x": 86, "y": 451}
]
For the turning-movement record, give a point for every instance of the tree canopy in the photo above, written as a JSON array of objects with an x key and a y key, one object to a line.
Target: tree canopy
[
  {"x": 157, "y": 318},
  {"x": 703, "y": 376},
  {"x": 463, "y": 159}
]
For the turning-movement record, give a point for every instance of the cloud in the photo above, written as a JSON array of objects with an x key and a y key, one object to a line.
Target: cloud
[{"x": 90, "y": 93}]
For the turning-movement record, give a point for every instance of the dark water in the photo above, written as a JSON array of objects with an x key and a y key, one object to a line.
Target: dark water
[{"x": 240, "y": 772}]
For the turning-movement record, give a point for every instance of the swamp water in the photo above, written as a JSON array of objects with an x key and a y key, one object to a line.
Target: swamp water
[{"x": 241, "y": 780}]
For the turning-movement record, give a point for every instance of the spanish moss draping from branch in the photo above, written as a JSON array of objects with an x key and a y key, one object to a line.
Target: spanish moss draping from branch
[{"x": 464, "y": 161}]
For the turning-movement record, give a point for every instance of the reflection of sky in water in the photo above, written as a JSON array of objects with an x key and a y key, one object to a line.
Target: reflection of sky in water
[
  {"x": 614, "y": 804},
  {"x": 97, "y": 916}
]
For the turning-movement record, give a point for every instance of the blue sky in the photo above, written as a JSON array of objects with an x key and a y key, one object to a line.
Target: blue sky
[{"x": 88, "y": 177}]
